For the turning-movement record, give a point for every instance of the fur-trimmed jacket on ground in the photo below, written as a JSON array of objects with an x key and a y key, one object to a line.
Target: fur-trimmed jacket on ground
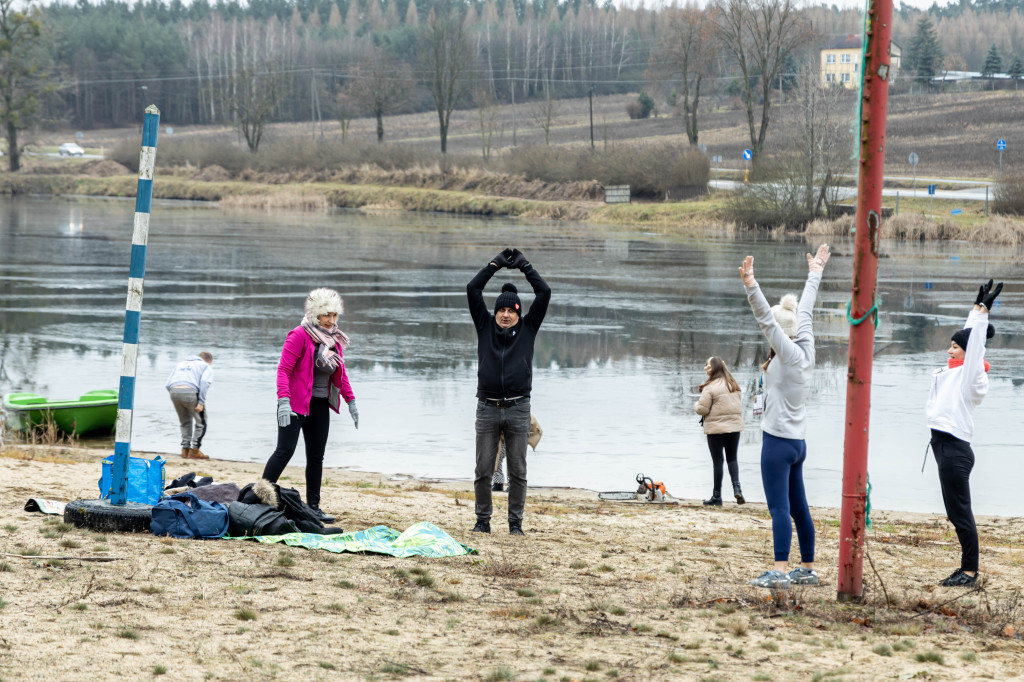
[{"x": 722, "y": 410}]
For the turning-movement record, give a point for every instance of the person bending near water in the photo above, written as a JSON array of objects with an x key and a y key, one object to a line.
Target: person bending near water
[
  {"x": 187, "y": 385},
  {"x": 956, "y": 390},
  {"x": 721, "y": 412},
  {"x": 787, "y": 376},
  {"x": 311, "y": 380},
  {"x": 504, "y": 382}
]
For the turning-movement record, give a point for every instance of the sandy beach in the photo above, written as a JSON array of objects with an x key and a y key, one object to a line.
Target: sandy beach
[{"x": 595, "y": 591}]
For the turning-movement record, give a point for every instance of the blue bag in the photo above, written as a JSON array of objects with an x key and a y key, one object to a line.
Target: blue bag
[
  {"x": 186, "y": 516},
  {"x": 145, "y": 479}
]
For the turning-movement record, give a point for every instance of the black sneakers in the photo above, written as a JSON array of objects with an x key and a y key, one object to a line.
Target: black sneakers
[
  {"x": 324, "y": 518},
  {"x": 515, "y": 528},
  {"x": 481, "y": 527},
  {"x": 960, "y": 579}
]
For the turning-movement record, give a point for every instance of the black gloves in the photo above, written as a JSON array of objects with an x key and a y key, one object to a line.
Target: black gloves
[
  {"x": 504, "y": 259},
  {"x": 986, "y": 296},
  {"x": 519, "y": 261}
]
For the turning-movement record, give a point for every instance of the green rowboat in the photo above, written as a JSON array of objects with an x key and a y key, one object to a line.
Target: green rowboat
[{"x": 94, "y": 413}]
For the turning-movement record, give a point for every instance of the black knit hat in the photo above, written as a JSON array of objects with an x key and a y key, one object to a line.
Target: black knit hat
[
  {"x": 964, "y": 335},
  {"x": 508, "y": 298}
]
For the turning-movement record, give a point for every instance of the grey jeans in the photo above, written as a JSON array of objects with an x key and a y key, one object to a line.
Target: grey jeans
[
  {"x": 193, "y": 424},
  {"x": 491, "y": 422}
]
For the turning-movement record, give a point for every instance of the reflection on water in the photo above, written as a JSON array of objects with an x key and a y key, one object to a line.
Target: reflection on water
[{"x": 632, "y": 319}]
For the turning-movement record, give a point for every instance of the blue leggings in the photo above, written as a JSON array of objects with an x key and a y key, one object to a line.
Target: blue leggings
[{"x": 782, "y": 473}]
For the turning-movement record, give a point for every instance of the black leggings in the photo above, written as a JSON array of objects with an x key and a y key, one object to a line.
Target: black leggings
[
  {"x": 956, "y": 459},
  {"x": 314, "y": 428},
  {"x": 730, "y": 443}
]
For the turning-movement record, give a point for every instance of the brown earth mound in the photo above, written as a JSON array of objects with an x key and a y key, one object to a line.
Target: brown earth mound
[
  {"x": 105, "y": 169},
  {"x": 213, "y": 173}
]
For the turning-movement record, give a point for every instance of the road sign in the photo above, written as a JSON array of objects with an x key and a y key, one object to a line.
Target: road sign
[
  {"x": 956, "y": 211},
  {"x": 931, "y": 189},
  {"x": 747, "y": 155},
  {"x": 912, "y": 159},
  {"x": 1001, "y": 145},
  {"x": 717, "y": 158}
]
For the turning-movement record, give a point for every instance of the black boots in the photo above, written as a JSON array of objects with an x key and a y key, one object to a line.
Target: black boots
[
  {"x": 738, "y": 493},
  {"x": 715, "y": 501},
  {"x": 481, "y": 527},
  {"x": 497, "y": 488},
  {"x": 515, "y": 528},
  {"x": 324, "y": 517}
]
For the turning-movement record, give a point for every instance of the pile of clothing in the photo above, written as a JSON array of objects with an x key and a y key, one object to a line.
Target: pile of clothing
[{"x": 260, "y": 508}]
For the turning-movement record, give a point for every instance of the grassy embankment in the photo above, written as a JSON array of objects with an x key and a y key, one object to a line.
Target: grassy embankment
[{"x": 279, "y": 176}]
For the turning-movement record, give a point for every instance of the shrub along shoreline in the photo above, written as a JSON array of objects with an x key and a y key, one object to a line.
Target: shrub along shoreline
[
  {"x": 306, "y": 195},
  {"x": 470, "y": 196}
]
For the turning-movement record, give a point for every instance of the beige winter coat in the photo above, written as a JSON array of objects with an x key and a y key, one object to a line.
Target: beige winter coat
[{"x": 722, "y": 410}]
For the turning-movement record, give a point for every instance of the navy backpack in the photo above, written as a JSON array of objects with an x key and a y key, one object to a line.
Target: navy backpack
[{"x": 186, "y": 516}]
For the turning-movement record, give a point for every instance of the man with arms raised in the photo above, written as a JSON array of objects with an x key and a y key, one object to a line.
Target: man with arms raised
[{"x": 504, "y": 382}]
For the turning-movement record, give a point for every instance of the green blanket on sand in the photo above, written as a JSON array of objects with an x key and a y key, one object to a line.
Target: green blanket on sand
[{"x": 419, "y": 539}]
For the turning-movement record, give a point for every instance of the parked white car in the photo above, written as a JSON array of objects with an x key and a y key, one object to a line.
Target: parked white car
[{"x": 70, "y": 149}]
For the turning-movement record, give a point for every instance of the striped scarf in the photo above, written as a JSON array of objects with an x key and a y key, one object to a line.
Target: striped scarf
[{"x": 325, "y": 340}]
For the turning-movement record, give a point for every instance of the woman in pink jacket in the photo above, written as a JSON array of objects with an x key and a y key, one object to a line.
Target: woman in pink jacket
[{"x": 311, "y": 379}]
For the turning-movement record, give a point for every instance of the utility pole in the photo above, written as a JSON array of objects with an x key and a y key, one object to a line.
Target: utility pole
[
  {"x": 590, "y": 94},
  {"x": 863, "y": 311}
]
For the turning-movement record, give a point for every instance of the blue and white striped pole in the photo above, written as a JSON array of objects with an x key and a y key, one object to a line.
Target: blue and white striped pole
[{"x": 133, "y": 309}]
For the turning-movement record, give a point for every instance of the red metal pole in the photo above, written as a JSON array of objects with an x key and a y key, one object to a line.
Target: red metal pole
[{"x": 874, "y": 100}]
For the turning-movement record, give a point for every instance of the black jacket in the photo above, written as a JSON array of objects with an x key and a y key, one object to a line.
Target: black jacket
[{"x": 505, "y": 356}]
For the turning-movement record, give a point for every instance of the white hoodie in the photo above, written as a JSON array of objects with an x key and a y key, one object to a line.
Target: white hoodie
[{"x": 956, "y": 392}]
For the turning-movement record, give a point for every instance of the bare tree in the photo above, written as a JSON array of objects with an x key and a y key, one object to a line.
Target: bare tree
[
  {"x": 346, "y": 111},
  {"x": 487, "y": 112},
  {"x": 257, "y": 94},
  {"x": 686, "y": 53},
  {"x": 447, "y": 60},
  {"x": 544, "y": 113},
  {"x": 22, "y": 81},
  {"x": 821, "y": 137},
  {"x": 759, "y": 35},
  {"x": 380, "y": 85}
]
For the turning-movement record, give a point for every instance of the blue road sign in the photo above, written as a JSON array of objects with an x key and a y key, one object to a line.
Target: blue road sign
[
  {"x": 1001, "y": 145},
  {"x": 927, "y": 285},
  {"x": 956, "y": 211},
  {"x": 747, "y": 155},
  {"x": 931, "y": 189}
]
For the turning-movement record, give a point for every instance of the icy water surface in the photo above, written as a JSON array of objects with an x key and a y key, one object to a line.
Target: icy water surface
[{"x": 632, "y": 319}]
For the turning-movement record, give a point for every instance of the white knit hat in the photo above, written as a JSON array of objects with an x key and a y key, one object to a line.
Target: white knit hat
[
  {"x": 785, "y": 314},
  {"x": 322, "y": 301}
]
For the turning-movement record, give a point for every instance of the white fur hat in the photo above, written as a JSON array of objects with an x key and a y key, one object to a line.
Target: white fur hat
[
  {"x": 785, "y": 314},
  {"x": 322, "y": 301}
]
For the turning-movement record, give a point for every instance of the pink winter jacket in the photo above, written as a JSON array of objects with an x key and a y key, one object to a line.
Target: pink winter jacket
[{"x": 295, "y": 374}]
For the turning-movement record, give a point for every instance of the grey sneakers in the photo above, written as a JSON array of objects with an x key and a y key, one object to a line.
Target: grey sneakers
[
  {"x": 772, "y": 580},
  {"x": 803, "y": 576},
  {"x": 780, "y": 580}
]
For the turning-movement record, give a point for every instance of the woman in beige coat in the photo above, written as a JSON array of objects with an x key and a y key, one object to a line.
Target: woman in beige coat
[{"x": 722, "y": 416}]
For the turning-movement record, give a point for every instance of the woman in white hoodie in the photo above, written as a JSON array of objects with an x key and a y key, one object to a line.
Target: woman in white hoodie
[{"x": 956, "y": 390}]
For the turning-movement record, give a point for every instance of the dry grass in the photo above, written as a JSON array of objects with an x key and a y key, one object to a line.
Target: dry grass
[{"x": 526, "y": 604}]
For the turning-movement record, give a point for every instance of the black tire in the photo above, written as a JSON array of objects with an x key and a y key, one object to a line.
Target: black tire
[{"x": 100, "y": 515}]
